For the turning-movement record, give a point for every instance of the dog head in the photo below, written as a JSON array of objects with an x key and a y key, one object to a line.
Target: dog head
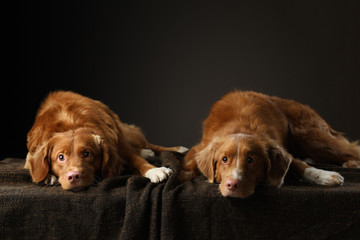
[
  {"x": 76, "y": 157},
  {"x": 240, "y": 162}
]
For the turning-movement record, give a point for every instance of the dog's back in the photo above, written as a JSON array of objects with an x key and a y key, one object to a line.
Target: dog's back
[
  {"x": 62, "y": 111},
  {"x": 246, "y": 112}
]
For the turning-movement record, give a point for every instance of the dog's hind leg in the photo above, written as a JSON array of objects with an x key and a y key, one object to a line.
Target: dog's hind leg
[
  {"x": 310, "y": 136},
  {"x": 315, "y": 176},
  {"x": 327, "y": 146}
]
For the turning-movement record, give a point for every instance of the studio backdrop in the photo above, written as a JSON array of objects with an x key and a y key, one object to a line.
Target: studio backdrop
[{"x": 161, "y": 65}]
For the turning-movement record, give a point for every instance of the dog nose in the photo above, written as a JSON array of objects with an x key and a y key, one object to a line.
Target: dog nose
[
  {"x": 74, "y": 177},
  {"x": 232, "y": 184}
]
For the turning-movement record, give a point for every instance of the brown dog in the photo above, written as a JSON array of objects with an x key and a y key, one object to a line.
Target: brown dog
[
  {"x": 80, "y": 140},
  {"x": 247, "y": 141}
]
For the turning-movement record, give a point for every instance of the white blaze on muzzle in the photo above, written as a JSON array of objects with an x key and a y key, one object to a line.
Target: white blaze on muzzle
[{"x": 237, "y": 173}]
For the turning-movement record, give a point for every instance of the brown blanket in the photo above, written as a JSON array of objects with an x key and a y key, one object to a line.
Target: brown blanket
[{"x": 130, "y": 207}]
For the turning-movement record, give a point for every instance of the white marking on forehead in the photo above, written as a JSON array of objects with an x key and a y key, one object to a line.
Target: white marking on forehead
[
  {"x": 237, "y": 136},
  {"x": 237, "y": 153},
  {"x": 97, "y": 139}
]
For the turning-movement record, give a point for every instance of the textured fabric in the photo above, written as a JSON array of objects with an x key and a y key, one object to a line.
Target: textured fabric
[{"x": 131, "y": 207}]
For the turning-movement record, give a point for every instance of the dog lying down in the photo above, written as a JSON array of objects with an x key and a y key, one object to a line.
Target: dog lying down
[
  {"x": 251, "y": 139},
  {"x": 77, "y": 141}
]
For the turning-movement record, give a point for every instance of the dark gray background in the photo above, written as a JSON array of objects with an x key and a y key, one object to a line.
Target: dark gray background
[{"x": 161, "y": 65}]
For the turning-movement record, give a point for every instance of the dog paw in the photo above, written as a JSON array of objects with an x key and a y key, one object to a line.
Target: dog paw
[
  {"x": 158, "y": 174},
  {"x": 50, "y": 179},
  {"x": 322, "y": 177},
  {"x": 182, "y": 149},
  {"x": 146, "y": 153}
]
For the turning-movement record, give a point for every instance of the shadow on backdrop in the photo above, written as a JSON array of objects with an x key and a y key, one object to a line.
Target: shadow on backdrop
[{"x": 162, "y": 66}]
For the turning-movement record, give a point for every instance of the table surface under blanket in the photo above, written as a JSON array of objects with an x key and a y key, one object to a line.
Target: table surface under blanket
[{"x": 131, "y": 207}]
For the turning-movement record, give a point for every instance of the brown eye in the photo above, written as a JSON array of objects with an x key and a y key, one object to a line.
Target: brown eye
[
  {"x": 87, "y": 154},
  {"x": 61, "y": 158},
  {"x": 224, "y": 159},
  {"x": 250, "y": 160}
]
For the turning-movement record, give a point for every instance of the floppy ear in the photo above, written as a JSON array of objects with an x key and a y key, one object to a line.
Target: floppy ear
[
  {"x": 112, "y": 163},
  {"x": 106, "y": 158},
  {"x": 277, "y": 165},
  {"x": 206, "y": 161},
  {"x": 38, "y": 163}
]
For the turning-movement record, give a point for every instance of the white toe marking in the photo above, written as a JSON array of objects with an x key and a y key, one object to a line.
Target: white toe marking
[
  {"x": 182, "y": 149},
  {"x": 50, "y": 179},
  {"x": 322, "y": 177},
  {"x": 158, "y": 174},
  {"x": 145, "y": 153}
]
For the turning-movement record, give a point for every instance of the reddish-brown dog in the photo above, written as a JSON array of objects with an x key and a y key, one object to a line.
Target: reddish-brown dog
[
  {"x": 79, "y": 140},
  {"x": 250, "y": 139}
]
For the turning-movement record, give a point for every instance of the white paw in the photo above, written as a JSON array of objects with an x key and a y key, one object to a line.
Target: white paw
[
  {"x": 182, "y": 149},
  {"x": 158, "y": 174},
  {"x": 50, "y": 179},
  {"x": 146, "y": 153},
  {"x": 322, "y": 177}
]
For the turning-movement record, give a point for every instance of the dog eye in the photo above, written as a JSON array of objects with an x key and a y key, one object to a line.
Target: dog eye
[
  {"x": 87, "y": 154},
  {"x": 61, "y": 158},
  {"x": 250, "y": 160},
  {"x": 224, "y": 159}
]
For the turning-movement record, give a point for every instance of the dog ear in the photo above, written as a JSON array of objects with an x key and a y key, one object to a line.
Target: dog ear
[
  {"x": 38, "y": 162},
  {"x": 206, "y": 161},
  {"x": 106, "y": 156},
  {"x": 277, "y": 165},
  {"x": 112, "y": 163}
]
